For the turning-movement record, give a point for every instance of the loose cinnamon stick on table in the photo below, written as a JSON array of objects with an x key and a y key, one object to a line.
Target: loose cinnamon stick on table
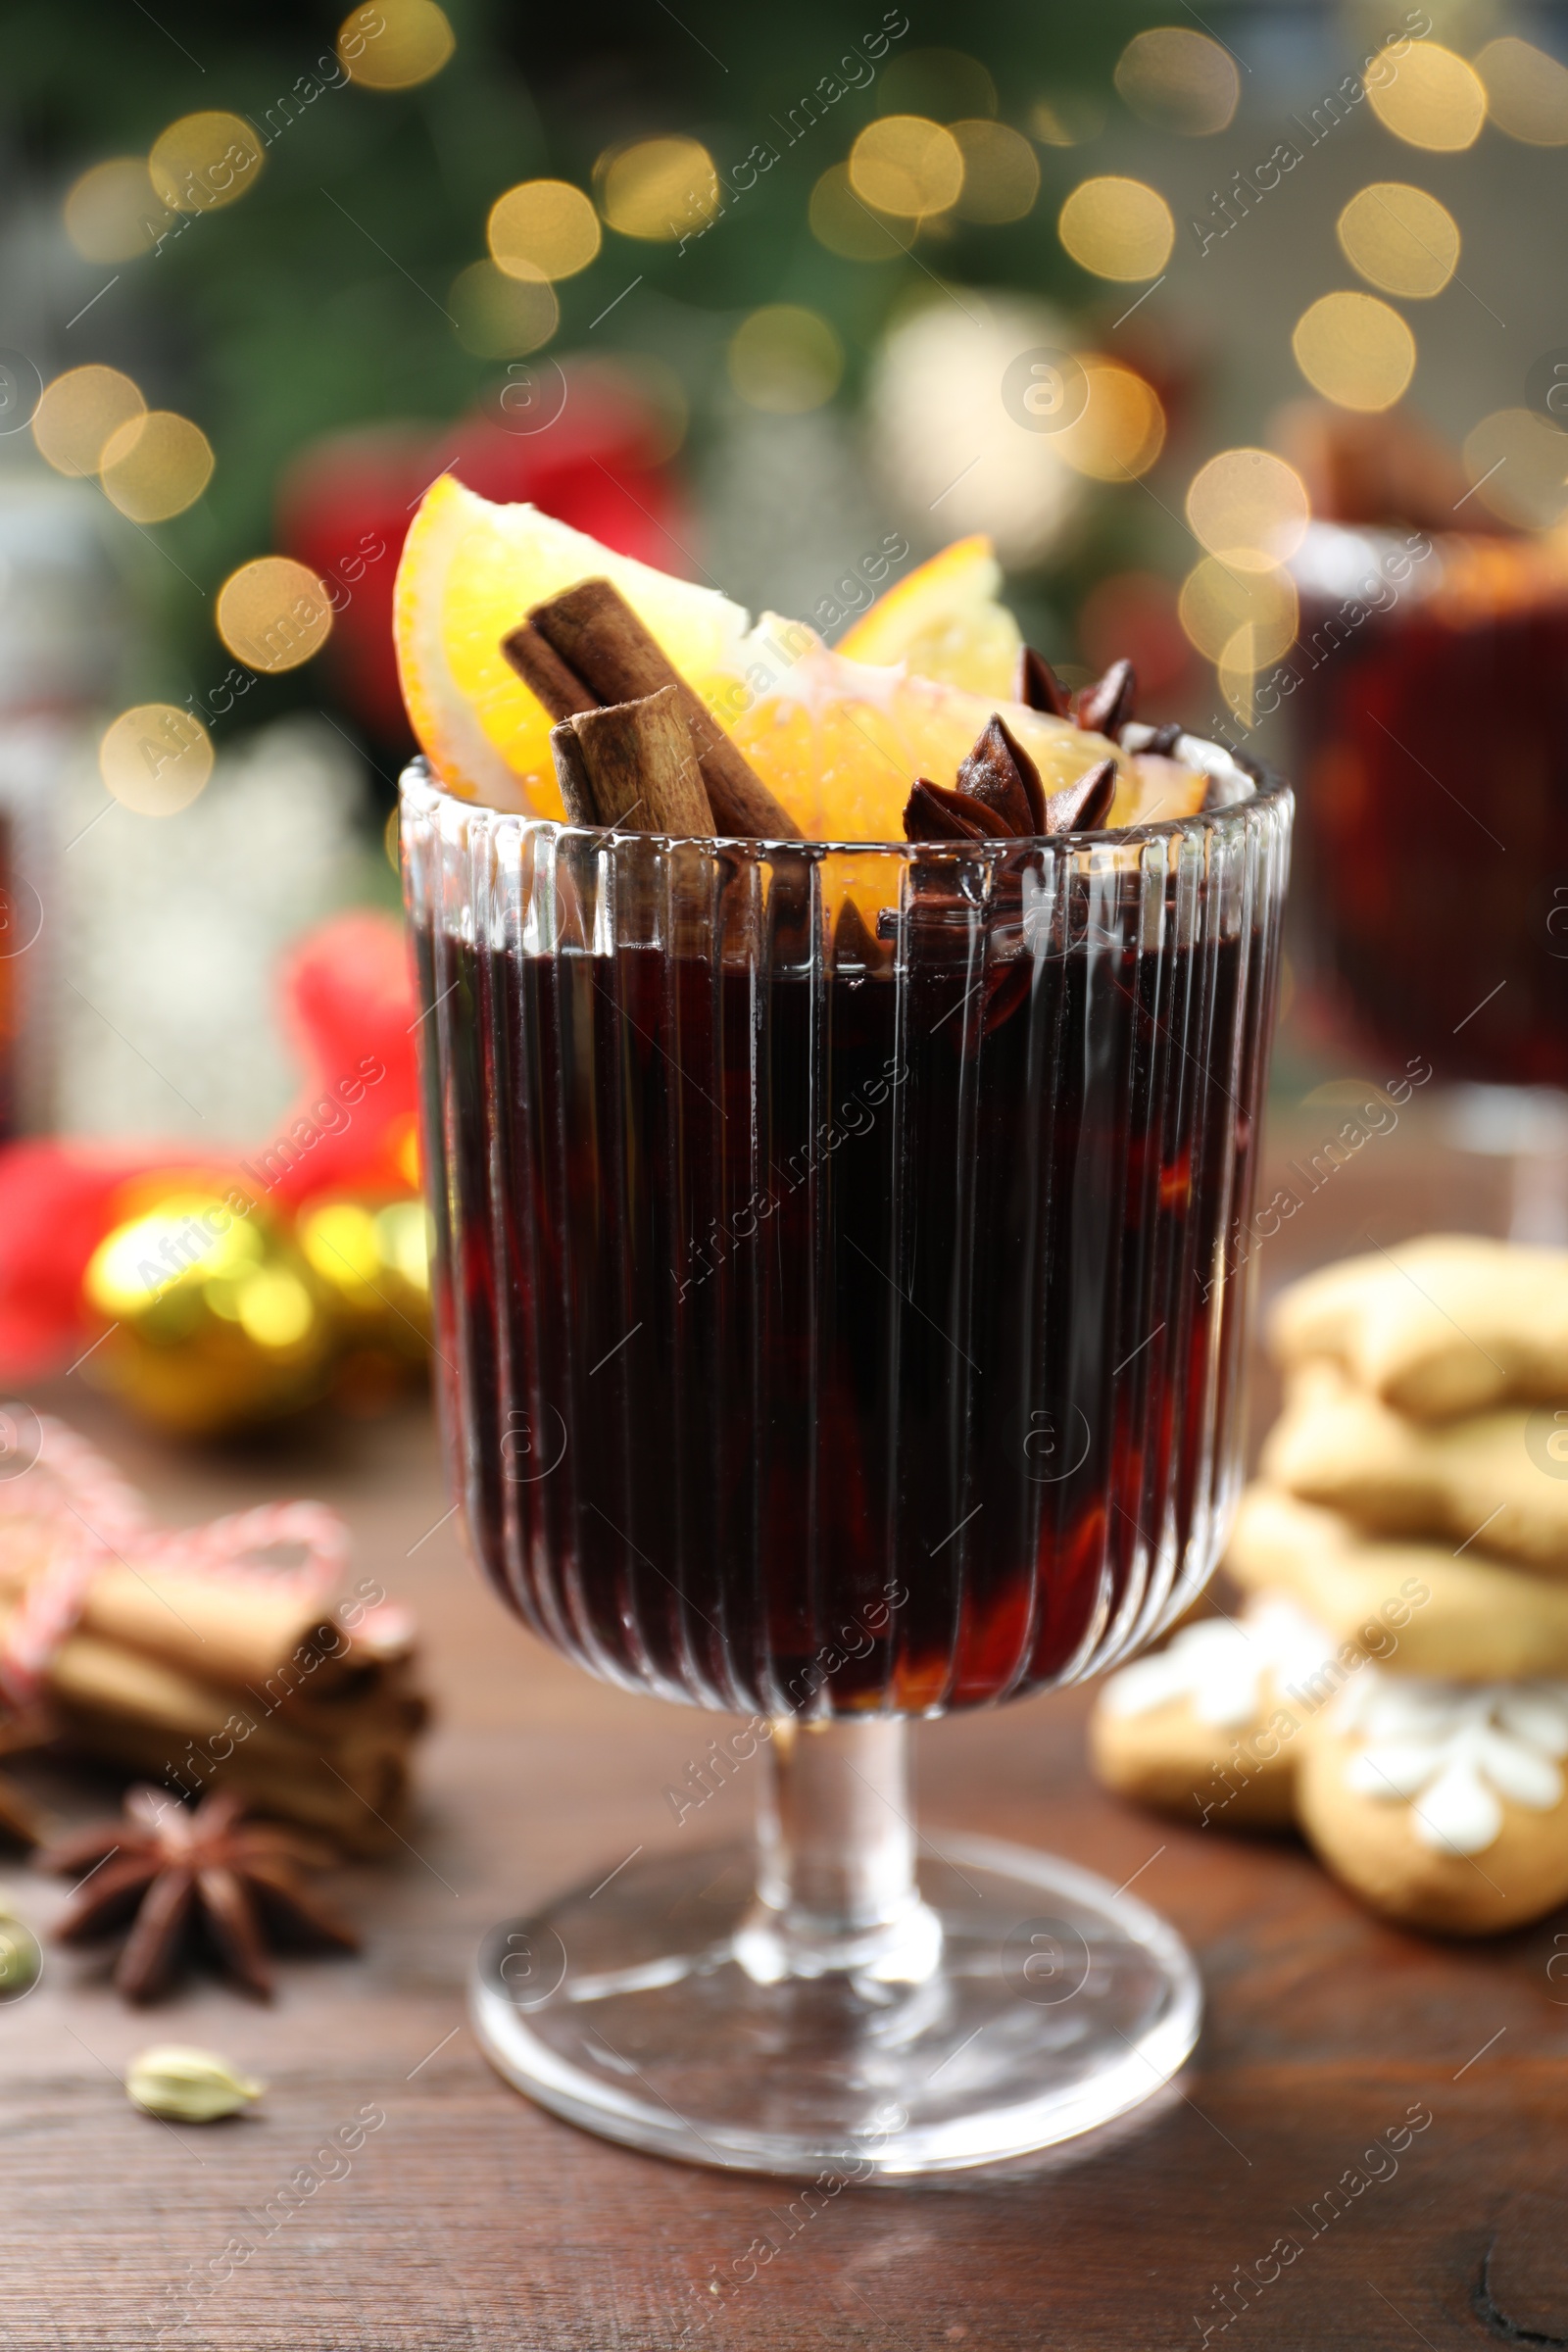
[
  {"x": 600, "y": 640},
  {"x": 243, "y": 1632},
  {"x": 641, "y": 767}
]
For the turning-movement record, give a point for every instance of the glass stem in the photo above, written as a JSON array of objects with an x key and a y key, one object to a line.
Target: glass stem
[{"x": 836, "y": 1885}]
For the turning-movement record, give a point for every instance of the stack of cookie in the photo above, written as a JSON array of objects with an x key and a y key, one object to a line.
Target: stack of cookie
[{"x": 1397, "y": 1682}]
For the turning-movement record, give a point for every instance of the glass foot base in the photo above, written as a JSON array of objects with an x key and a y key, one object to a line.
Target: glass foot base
[{"x": 1031, "y": 2002}]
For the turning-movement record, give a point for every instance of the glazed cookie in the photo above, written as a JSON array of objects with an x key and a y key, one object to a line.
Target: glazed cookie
[
  {"x": 1487, "y": 1479},
  {"x": 1439, "y": 1613},
  {"x": 1205, "y": 1727},
  {"x": 1447, "y": 1324},
  {"x": 1443, "y": 1804}
]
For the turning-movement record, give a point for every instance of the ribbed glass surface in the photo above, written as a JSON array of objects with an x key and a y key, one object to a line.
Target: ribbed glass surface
[{"x": 834, "y": 1298}]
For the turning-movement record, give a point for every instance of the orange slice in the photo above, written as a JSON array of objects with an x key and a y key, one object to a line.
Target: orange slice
[
  {"x": 468, "y": 575},
  {"x": 946, "y": 622},
  {"x": 840, "y": 740}
]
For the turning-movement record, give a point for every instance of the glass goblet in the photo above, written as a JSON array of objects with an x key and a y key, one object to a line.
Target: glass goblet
[{"x": 842, "y": 1325}]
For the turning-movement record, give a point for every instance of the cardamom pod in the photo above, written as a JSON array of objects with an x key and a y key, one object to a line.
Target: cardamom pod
[
  {"x": 187, "y": 2085},
  {"x": 20, "y": 1960}
]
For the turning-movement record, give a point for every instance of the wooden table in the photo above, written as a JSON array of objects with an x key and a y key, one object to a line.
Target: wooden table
[{"x": 469, "y": 2217}]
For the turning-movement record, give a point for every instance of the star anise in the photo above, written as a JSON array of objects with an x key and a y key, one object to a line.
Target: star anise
[
  {"x": 186, "y": 1876},
  {"x": 1038, "y": 686},
  {"x": 1104, "y": 707},
  {"x": 998, "y": 795}
]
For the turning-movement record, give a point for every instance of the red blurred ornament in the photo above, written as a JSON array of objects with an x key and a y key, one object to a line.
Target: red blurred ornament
[
  {"x": 348, "y": 1005},
  {"x": 585, "y": 440}
]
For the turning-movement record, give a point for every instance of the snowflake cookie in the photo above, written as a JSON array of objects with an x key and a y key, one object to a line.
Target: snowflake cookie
[
  {"x": 1208, "y": 1727},
  {"x": 1443, "y": 1804}
]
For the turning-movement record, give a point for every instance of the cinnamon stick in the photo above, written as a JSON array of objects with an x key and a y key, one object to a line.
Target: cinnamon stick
[
  {"x": 158, "y": 1720},
  {"x": 642, "y": 766},
  {"x": 230, "y": 1631},
  {"x": 541, "y": 669},
  {"x": 571, "y": 773},
  {"x": 601, "y": 641}
]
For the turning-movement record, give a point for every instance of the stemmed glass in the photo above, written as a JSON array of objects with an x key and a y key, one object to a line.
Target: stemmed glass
[{"x": 838, "y": 1288}]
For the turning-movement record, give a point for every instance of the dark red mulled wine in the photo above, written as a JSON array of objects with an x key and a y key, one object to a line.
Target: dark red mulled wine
[
  {"x": 835, "y": 1322},
  {"x": 1430, "y": 713}
]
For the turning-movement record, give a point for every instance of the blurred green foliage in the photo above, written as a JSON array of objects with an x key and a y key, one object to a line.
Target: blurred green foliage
[{"x": 319, "y": 299}]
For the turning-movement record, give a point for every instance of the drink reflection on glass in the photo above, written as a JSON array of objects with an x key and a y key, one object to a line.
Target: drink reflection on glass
[{"x": 839, "y": 1327}]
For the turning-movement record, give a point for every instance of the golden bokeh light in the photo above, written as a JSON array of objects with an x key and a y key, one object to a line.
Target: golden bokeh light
[
  {"x": 1527, "y": 91},
  {"x": 907, "y": 165},
  {"x": 156, "y": 466},
  {"x": 79, "y": 412},
  {"x": 205, "y": 161},
  {"x": 1400, "y": 238},
  {"x": 1179, "y": 81},
  {"x": 503, "y": 314},
  {"x": 1355, "y": 349},
  {"x": 155, "y": 759},
  {"x": 543, "y": 228},
  {"x": 1250, "y": 507},
  {"x": 944, "y": 83},
  {"x": 1001, "y": 171},
  {"x": 1121, "y": 428},
  {"x": 1429, "y": 97},
  {"x": 112, "y": 212},
  {"x": 395, "y": 45},
  {"x": 658, "y": 189},
  {"x": 1117, "y": 228},
  {"x": 785, "y": 359},
  {"x": 1218, "y": 600},
  {"x": 845, "y": 226},
  {"x": 1518, "y": 464},
  {"x": 273, "y": 614}
]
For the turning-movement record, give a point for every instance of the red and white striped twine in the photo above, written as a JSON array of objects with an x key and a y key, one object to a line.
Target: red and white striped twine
[{"x": 96, "y": 1520}]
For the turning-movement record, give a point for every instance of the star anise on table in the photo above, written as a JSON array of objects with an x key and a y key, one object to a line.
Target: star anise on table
[{"x": 187, "y": 1878}]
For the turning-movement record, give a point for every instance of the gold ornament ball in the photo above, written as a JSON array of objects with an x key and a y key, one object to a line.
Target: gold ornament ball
[
  {"x": 371, "y": 1260},
  {"x": 215, "y": 1320}
]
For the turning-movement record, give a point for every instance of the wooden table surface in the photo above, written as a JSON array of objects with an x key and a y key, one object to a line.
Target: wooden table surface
[{"x": 470, "y": 2218}]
